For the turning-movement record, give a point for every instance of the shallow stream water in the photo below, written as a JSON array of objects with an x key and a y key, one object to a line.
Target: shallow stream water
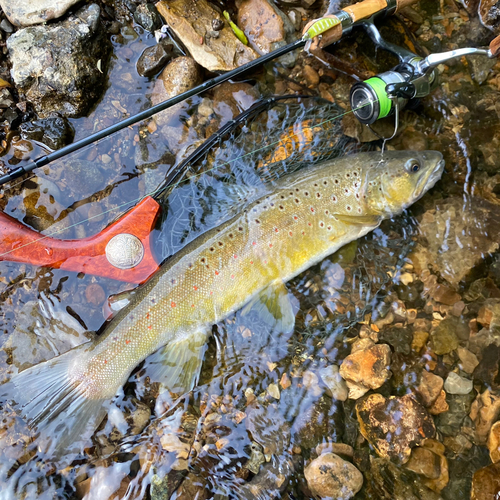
[{"x": 263, "y": 407}]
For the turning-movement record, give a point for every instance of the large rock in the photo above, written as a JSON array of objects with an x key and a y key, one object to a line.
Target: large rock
[
  {"x": 329, "y": 476},
  {"x": 486, "y": 483},
  {"x": 393, "y": 426},
  {"x": 28, "y": 12},
  {"x": 193, "y": 22},
  {"x": 56, "y": 66}
]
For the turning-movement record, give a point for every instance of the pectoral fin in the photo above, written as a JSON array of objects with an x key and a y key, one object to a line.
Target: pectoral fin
[
  {"x": 177, "y": 365},
  {"x": 274, "y": 307},
  {"x": 359, "y": 220}
]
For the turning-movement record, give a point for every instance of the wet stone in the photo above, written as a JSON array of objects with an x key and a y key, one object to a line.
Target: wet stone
[
  {"x": 153, "y": 59},
  {"x": 455, "y": 384},
  {"x": 486, "y": 483},
  {"x": 179, "y": 76},
  {"x": 484, "y": 411},
  {"x": 336, "y": 387},
  {"x": 147, "y": 16},
  {"x": 494, "y": 442},
  {"x": 384, "y": 480},
  {"x": 55, "y": 132},
  {"x": 444, "y": 338},
  {"x": 54, "y": 66},
  {"x": 393, "y": 426},
  {"x": 430, "y": 387},
  {"x": 468, "y": 360},
  {"x": 450, "y": 422},
  {"x": 366, "y": 368},
  {"x": 440, "y": 405},
  {"x": 399, "y": 338},
  {"x": 487, "y": 371},
  {"x": 191, "y": 20},
  {"x": 424, "y": 462},
  {"x": 320, "y": 419},
  {"x": 329, "y": 476},
  {"x": 34, "y": 11}
]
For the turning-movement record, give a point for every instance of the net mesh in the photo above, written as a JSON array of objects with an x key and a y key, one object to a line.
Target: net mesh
[{"x": 276, "y": 137}]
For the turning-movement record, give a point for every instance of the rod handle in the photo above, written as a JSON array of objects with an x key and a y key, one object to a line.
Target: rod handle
[
  {"x": 495, "y": 47},
  {"x": 87, "y": 255}
]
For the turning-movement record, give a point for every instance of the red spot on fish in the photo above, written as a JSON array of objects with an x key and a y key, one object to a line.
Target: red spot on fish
[
  {"x": 147, "y": 316},
  {"x": 254, "y": 243},
  {"x": 173, "y": 304},
  {"x": 295, "y": 217},
  {"x": 235, "y": 256},
  {"x": 290, "y": 233},
  {"x": 105, "y": 361},
  {"x": 276, "y": 229},
  {"x": 232, "y": 276},
  {"x": 270, "y": 245},
  {"x": 211, "y": 293},
  {"x": 195, "y": 287},
  {"x": 251, "y": 262},
  {"x": 312, "y": 209},
  {"x": 265, "y": 262},
  {"x": 309, "y": 224},
  {"x": 128, "y": 341},
  {"x": 192, "y": 305},
  {"x": 303, "y": 233},
  {"x": 216, "y": 273}
]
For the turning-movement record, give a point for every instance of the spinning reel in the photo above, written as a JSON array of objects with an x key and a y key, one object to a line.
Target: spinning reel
[{"x": 413, "y": 78}]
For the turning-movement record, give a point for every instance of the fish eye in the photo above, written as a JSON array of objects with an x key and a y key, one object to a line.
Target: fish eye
[{"x": 412, "y": 166}]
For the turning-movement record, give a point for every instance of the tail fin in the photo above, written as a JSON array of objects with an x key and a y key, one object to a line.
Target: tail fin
[{"x": 55, "y": 406}]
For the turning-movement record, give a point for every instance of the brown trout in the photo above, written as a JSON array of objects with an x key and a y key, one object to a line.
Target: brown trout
[{"x": 244, "y": 262}]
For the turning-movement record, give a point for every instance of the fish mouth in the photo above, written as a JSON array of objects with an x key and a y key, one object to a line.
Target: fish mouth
[{"x": 429, "y": 181}]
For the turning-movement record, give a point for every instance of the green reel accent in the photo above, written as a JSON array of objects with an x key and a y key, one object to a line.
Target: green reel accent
[
  {"x": 378, "y": 85},
  {"x": 320, "y": 26}
]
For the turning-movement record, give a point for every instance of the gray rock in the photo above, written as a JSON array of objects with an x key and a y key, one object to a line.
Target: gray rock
[
  {"x": 6, "y": 26},
  {"x": 455, "y": 384},
  {"x": 336, "y": 386},
  {"x": 55, "y": 132},
  {"x": 480, "y": 67},
  {"x": 147, "y": 16},
  {"x": 329, "y": 476},
  {"x": 153, "y": 59},
  {"x": 29, "y": 12},
  {"x": 56, "y": 66}
]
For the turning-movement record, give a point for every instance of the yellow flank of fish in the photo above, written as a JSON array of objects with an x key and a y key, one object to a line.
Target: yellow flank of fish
[{"x": 246, "y": 261}]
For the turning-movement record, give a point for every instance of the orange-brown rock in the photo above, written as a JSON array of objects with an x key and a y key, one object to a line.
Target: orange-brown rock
[{"x": 366, "y": 368}]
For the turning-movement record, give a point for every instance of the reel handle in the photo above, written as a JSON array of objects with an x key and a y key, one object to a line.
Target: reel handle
[{"x": 495, "y": 47}]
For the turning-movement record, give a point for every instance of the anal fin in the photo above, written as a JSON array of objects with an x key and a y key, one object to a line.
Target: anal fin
[
  {"x": 177, "y": 365},
  {"x": 274, "y": 307}
]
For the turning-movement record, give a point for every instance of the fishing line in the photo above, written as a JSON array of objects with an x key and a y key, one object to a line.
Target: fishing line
[{"x": 171, "y": 186}]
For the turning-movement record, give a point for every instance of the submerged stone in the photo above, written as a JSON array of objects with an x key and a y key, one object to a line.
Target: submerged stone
[
  {"x": 153, "y": 59},
  {"x": 455, "y": 384},
  {"x": 393, "y": 426},
  {"x": 329, "y": 476},
  {"x": 55, "y": 132},
  {"x": 486, "y": 483}
]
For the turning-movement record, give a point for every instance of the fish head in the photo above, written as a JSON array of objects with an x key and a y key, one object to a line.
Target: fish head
[{"x": 396, "y": 179}]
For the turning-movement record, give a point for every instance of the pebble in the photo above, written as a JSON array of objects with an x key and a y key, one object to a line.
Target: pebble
[
  {"x": 424, "y": 462},
  {"x": 468, "y": 360},
  {"x": 344, "y": 451},
  {"x": 394, "y": 425},
  {"x": 455, "y": 384},
  {"x": 311, "y": 76},
  {"x": 445, "y": 295},
  {"x": 486, "y": 483},
  {"x": 285, "y": 381},
  {"x": 273, "y": 391},
  {"x": 336, "y": 387},
  {"x": 153, "y": 59},
  {"x": 147, "y": 16},
  {"x": 329, "y": 476},
  {"x": 419, "y": 340},
  {"x": 444, "y": 338},
  {"x": 430, "y": 387},
  {"x": 440, "y": 405},
  {"x": 494, "y": 442},
  {"x": 366, "y": 368},
  {"x": 95, "y": 294},
  {"x": 484, "y": 411},
  {"x": 311, "y": 383}
]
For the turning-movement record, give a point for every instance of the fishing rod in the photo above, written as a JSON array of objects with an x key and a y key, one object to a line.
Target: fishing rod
[
  {"x": 329, "y": 29},
  {"x": 123, "y": 250}
]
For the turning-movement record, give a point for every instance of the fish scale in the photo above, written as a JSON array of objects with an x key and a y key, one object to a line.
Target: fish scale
[{"x": 307, "y": 216}]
